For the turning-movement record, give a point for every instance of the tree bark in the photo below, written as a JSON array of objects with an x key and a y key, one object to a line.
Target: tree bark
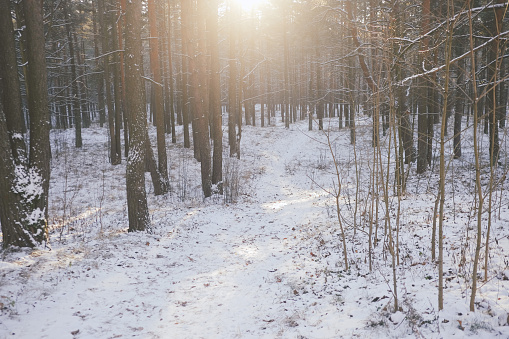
[
  {"x": 285, "y": 74},
  {"x": 14, "y": 210},
  {"x": 11, "y": 86},
  {"x": 197, "y": 67},
  {"x": 404, "y": 126},
  {"x": 40, "y": 151},
  {"x": 105, "y": 41},
  {"x": 422, "y": 120},
  {"x": 215, "y": 95},
  {"x": 459, "y": 102},
  {"x": 98, "y": 65},
  {"x": 232, "y": 85},
  {"x": 121, "y": 5},
  {"x": 494, "y": 28},
  {"x": 318, "y": 91},
  {"x": 119, "y": 97},
  {"x": 135, "y": 94},
  {"x": 74, "y": 78},
  {"x": 15, "y": 231},
  {"x": 170, "y": 78},
  {"x": 158, "y": 91}
]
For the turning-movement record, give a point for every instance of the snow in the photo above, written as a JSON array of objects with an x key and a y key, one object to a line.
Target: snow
[
  {"x": 28, "y": 183},
  {"x": 34, "y": 217},
  {"x": 267, "y": 265}
]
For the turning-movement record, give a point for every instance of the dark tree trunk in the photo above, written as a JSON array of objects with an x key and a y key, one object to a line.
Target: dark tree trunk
[
  {"x": 170, "y": 78},
  {"x": 185, "y": 30},
  {"x": 423, "y": 118},
  {"x": 135, "y": 94},
  {"x": 232, "y": 87},
  {"x": 82, "y": 88},
  {"x": 151, "y": 166},
  {"x": 157, "y": 89},
  {"x": 422, "y": 134},
  {"x": 119, "y": 103},
  {"x": 318, "y": 92},
  {"x": 403, "y": 114},
  {"x": 215, "y": 94},
  {"x": 502, "y": 104},
  {"x": 11, "y": 86},
  {"x": 243, "y": 88},
  {"x": 105, "y": 42},
  {"x": 40, "y": 151},
  {"x": 188, "y": 44},
  {"x": 286, "y": 98},
  {"x": 262, "y": 95},
  {"x": 268, "y": 97},
  {"x": 351, "y": 99},
  {"x": 494, "y": 26},
  {"x": 197, "y": 66},
  {"x": 203, "y": 99},
  {"x": 185, "y": 96},
  {"x": 459, "y": 102},
  {"x": 122, "y": 5},
  {"x": 100, "y": 85},
  {"x": 13, "y": 211},
  {"x": 74, "y": 81}
]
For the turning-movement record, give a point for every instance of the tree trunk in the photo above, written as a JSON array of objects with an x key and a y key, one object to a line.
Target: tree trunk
[
  {"x": 232, "y": 87},
  {"x": 262, "y": 95},
  {"x": 170, "y": 78},
  {"x": 11, "y": 86},
  {"x": 185, "y": 94},
  {"x": 404, "y": 128},
  {"x": 502, "y": 103},
  {"x": 100, "y": 85},
  {"x": 459, "y": 102},
  {"x": 135, "y": 94},
  {"x": 158, "y": 92},
  {"x": 17, "y": 228},
  {"x": 151, "y": 166},
  {"x": 203, "y": 119},
  {"x": 119, "y": 97},
  {"x": 74, "y": 81},
  {"x": 13, "y": 213},
  {"x": 197, "y": 66},
  {"x": 215, "y": 95},
  {"x": 318, "y": 91},
  {"x": 82, "y": 88},
  {"x": 285, "y": 70},
  {"x": 494, "y": 27},
  {"x": 40, "y": 151},
  {"x": 105, "y": 42},
  {"x": 422, "y": 120},
  {"x": 121, "y": 23}
]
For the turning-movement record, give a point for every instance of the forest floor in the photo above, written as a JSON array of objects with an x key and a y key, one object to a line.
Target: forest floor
[{"x": 267, "y": 265}]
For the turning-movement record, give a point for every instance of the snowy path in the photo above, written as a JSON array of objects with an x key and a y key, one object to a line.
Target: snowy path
[{"x": 246, "y": 250}]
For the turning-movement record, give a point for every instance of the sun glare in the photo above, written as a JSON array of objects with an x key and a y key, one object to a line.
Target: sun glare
[{"x": 248, "y": 5}]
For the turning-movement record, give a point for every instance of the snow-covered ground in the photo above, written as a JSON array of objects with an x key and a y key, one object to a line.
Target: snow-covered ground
[{"x": 267, "y": 265}]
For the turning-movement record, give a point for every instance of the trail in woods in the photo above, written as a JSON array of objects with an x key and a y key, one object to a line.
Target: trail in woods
[{"x": 269, "y": 265}]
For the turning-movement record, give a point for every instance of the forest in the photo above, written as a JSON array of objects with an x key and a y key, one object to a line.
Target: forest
[{"x": 254, "y": 168}]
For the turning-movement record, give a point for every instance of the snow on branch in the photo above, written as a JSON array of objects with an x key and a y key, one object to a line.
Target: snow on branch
[{"x": 439, "y": 68}]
